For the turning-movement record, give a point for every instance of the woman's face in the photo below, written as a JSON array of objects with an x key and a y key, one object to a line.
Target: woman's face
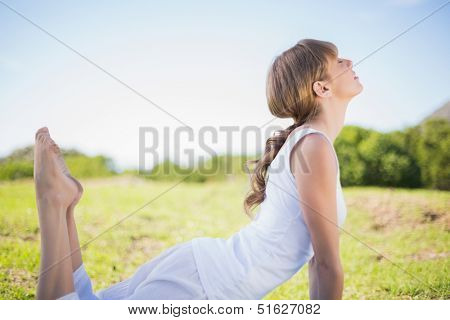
[{"x": 344, "y": 83}]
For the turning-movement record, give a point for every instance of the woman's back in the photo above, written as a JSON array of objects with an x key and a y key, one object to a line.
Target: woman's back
[{"x": 269, "y": 250}]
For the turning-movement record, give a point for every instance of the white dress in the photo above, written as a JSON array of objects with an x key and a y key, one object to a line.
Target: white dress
[
  {"x": 248, "y": 265},
  {"x": 172, "y": 275}
]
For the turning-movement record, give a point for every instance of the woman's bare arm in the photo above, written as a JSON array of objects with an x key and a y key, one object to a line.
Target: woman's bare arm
[
  {"x": 315, "y": 170},
  {"x": 319, "y": 280}
]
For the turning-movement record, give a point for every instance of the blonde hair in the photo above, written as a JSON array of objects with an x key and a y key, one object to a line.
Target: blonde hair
[{"x": 290, "y": 94}]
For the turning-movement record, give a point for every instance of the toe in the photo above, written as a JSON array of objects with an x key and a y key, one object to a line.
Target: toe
[
  {"x": 44, "y": 140},
  {"x": 40, "y": 138},
  {"x": 40, "y": 131}
]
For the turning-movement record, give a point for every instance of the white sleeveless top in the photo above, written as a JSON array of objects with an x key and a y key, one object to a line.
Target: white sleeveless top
[{"x": 270, "y": 249}]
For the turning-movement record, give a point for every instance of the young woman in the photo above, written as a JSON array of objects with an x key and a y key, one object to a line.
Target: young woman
[{"x": 296, "y": 182}]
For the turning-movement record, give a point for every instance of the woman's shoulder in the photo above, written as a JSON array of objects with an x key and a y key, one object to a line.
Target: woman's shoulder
[{"x": 312, "y": 152}]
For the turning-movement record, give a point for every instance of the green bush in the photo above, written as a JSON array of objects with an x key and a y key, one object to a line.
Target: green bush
[
  {"x": 415, "y": 157},
  {"x": 169, "y": 171},
  {"x": 433, "y": 153},
  {"x": 388, "y": 160},
  {"x": 351, "y": 164},
  {"x": 82, "y": 166},
  {"x": 220, "y": 167},
  {"x": 223, "y": 167},
  {"x": 15, "y": 169},
  {"x": 19, "y": 164},
  {"x": 409, "y": 158}
]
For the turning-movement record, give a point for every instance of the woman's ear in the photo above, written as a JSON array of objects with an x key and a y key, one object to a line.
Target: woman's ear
[{"x": 321, "y": 90}]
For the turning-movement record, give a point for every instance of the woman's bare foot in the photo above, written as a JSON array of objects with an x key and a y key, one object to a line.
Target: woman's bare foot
[
  {"x": 66, "y": 171},
  {"x": 51, "y": 184}
]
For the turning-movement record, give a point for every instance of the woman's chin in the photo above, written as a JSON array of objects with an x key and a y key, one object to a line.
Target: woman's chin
[{"x": 359, "y": 88}]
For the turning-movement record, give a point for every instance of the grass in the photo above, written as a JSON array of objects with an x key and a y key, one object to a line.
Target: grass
[{"x": 408, "y": 231}]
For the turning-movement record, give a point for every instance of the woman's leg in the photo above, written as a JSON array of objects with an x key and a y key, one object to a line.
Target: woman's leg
[
  {"x": 54, "y": 193},
  {"x": 55, "y": 274},
  {"x": 71, "y": 225},
  {"x": 73, "y": 239}
]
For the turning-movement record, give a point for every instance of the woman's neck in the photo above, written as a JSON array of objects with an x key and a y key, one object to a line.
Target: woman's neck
[{"x": 331, "y": 120}]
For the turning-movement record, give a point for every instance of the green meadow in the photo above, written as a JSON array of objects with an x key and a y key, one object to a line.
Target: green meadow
[{"x": 394, "y": 242}]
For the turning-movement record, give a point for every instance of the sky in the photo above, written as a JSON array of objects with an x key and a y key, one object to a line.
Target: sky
[{"x": 204, "y": 63}]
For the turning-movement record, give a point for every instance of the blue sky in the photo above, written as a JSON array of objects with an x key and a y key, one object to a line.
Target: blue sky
[{"x": 204, "y": 62}]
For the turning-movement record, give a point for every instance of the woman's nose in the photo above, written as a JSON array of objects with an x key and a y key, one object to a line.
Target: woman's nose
[{"x": 350, "y": 64}]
